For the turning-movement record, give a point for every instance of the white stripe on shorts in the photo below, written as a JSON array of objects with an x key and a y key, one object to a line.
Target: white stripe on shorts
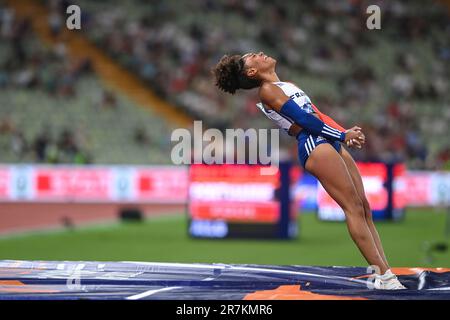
[
  {"x": 307, "y": 147},
  {"x": 310, "y": 147},
  {"x": 312, "y": 143}
]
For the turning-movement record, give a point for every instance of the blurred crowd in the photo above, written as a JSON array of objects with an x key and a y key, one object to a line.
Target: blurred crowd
[
  {"x": 392, "y": 82},
  {"x": 28, "y": 65},
  {"x": 45, "y": 147}
]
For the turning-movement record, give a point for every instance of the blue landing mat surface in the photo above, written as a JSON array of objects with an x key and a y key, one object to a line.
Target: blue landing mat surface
[{"x": 70, "y": 280}]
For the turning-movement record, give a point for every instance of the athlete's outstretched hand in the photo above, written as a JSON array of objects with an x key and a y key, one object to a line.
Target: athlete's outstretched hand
[{"x": 354, "y": 137}]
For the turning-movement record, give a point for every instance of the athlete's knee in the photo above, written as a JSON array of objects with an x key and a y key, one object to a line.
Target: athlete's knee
[
  {"x": 353, "y": 205},
  {"x": 359, "y": 236}
]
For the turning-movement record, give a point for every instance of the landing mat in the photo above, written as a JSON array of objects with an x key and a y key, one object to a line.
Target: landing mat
[{"x": 69, "y": 280}]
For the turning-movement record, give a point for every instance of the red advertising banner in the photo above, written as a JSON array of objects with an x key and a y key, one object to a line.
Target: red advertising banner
[
  {"x": 152, "y": 184},
  {"x": 267, "y": 212},
  {"x": 400, "y": 190},
  {"x": 161, "y": 184},
  {"x": 232, "y": 173},
  {"x": 5, "y": 177},
  {"x": 72, "y": 184},
  {"x": 419, "y": 188},
  {"x": 233, "y": 193},
  {"x": 235, "y": 183}
]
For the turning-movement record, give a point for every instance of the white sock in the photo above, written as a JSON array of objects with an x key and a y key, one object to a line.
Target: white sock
[{"x": 388, "y": 275}]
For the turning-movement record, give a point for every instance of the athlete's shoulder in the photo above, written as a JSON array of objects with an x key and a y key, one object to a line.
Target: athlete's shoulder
[
  {"x": 271, "y": 95},
  {"x": 275, "y": 86},
  {"x": 269, "y": 91}
]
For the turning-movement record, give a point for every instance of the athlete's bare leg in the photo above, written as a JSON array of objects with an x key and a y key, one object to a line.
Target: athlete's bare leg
[
  {"x": 357, "y": 181},
  {"x": 326, "y": 164}
]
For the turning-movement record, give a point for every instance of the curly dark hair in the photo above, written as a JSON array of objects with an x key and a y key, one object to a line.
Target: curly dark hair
[{"x": 229, "y": 75}]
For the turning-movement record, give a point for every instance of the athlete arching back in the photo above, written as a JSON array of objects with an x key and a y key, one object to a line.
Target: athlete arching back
[{"x": 319, "y": 145}]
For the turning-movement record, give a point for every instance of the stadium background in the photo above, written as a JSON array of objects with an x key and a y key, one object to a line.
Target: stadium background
[{"x": 112, "y": 92}]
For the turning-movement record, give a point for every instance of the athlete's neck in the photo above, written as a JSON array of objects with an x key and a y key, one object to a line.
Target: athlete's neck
[{"x": 270, "y": 77}]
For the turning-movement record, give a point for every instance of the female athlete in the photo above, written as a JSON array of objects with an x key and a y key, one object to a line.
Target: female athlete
[{"x": 319, "y": 148}]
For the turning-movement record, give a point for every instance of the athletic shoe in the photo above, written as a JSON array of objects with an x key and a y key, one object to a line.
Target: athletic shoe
[{"x": 388, "y": 281}]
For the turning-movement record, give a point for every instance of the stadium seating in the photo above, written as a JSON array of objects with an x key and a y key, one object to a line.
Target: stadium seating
[
  {"x": 393, "y": 82},
  {"x": 47, "y": 92},
  {"x": 350, "y": 72}
]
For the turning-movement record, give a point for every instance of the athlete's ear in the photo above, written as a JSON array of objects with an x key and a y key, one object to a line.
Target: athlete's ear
[{"x": 251, "y": 72}]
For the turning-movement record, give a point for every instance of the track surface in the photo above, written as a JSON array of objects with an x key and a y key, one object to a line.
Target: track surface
[
  {"x": 23, "y": 217},
  {"x": 62, "y": 280}
]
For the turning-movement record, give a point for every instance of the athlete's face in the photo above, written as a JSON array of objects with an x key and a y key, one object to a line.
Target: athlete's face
[{"x": 255, "y": 63}]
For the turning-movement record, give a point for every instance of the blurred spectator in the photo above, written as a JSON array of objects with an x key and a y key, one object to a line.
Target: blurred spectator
[
  {"x": 40, "y": 145},
  {"x": 19, "y": 145},
  {"x": 108, "y": 100},
  {"x": 141, "y": 137}
]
